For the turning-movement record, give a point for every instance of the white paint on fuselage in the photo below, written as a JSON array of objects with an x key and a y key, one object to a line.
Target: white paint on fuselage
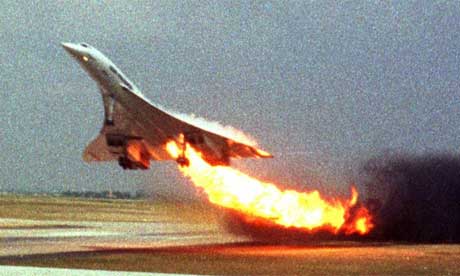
[
  {"x": 98, "y": 67},
  {"x": 101, "y": 69}
]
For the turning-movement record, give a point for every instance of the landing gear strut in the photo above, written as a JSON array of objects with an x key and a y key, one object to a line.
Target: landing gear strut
[{"x": 182, "y": 160}]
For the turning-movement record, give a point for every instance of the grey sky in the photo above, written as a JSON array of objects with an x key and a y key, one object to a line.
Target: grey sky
[{"x": 323, "y": 85}]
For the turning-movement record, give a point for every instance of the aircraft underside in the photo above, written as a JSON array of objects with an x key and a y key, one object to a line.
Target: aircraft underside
[{"x": 133, "y": 151}]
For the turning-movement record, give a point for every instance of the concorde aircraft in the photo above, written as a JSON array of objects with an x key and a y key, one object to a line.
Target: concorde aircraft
[{"x": 136, "y": 131}]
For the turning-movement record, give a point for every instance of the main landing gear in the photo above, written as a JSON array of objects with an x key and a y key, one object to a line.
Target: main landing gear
[{"x": 182, "y": 160}]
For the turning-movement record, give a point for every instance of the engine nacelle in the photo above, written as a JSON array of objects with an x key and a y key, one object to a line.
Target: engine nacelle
[
  {"x": 224, "y": 160},
  {"x": 133, "y": 151},
  {"x": 212, "y": 153}
]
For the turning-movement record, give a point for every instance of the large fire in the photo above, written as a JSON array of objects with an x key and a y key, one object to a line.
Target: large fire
[{"x": 232, "y": 189}]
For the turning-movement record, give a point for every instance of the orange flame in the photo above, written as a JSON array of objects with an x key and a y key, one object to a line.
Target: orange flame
[{"x": 230, "y": 188}]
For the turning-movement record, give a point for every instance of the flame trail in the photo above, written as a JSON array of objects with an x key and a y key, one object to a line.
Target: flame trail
[{"x": 230, "y": 188}]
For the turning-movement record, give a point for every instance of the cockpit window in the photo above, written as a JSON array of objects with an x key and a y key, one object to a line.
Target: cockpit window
[{"x": 84, "y": 45}]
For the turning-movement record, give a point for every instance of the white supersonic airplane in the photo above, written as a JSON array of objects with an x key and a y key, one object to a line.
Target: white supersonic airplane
[{"x": 136, "y": 131}]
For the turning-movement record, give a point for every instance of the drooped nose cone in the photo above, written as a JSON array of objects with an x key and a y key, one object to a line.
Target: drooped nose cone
[{"x": 71, "y": 48}]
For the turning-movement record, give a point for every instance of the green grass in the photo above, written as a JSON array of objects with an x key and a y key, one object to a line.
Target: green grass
[{"x": 78, "y": 209}]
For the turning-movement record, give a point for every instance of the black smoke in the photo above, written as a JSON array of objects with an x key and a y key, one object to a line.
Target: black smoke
[
  {"x": 412, "y": 199},
  {"x": 420, "y": 197}
]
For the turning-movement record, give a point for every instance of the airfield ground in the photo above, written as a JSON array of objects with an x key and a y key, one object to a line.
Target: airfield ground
[{"x": 175, "y": 237}]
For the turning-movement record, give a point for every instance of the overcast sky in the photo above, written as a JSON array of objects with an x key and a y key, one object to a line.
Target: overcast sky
[{"x": 323, "y": 85}]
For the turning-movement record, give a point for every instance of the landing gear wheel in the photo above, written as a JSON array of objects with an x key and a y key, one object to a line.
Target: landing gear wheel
[
  {"x": 183, "y": 161},
  {"x": 123, "y": 163}
]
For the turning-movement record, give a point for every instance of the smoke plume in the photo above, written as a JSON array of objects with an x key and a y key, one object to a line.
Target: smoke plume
[
  {"x": 411, "y": 198},
  {"x": 419, "y": 197}
]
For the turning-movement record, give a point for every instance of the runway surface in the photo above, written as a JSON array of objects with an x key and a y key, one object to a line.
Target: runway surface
[
  {"x": 25, "y": 271},
  {"x": 173, "y": 238},
  {"x": 27, "y": 237}
]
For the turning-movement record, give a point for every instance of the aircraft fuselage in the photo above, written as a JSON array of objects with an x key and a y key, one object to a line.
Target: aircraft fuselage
[{"x": 136, "y": 131}]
